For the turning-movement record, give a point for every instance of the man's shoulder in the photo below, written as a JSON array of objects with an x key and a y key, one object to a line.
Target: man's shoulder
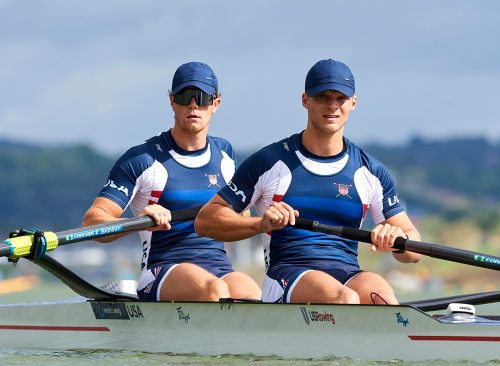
[
  {"x": 281, "y": 148},
  {"x": 142, "y": 152},
  {"x": 372, "y": 164},
  {"x": 221, "y": 143},
  {"x": 268, "y": 156},
  {"x": 366, "y": 159}
]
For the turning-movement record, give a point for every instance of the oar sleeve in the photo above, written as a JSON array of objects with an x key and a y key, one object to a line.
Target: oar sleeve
[{"x": 20, "y": 246}]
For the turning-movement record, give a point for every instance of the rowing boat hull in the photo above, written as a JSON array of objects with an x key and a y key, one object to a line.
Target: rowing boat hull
[{"x": 366, "y": 332}]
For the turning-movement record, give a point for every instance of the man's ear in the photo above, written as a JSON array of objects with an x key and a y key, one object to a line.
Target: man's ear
[
  {"x": 217, "y": 102},
  {"x": 305, "y": 101},
  {"x": 354, "y": 102}
]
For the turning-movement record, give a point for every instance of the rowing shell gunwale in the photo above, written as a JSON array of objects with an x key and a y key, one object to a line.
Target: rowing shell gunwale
[{"x": 369, "y": 332}]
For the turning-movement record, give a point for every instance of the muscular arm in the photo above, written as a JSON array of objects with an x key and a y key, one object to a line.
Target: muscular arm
[
  {"x": 217, "y": 220},
  {"x": 104, "y": 210},
  {"x": 384, "y": 234}
]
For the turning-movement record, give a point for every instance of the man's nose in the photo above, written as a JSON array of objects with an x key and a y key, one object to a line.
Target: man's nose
[
  {"x": 192, "y": 103},
  {"x": 333, "y": 103}
]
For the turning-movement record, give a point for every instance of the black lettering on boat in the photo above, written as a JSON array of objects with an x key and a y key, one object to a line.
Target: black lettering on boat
[
  {"x": 109, "y": 310},
  {"x": 316, "y": 316},
  {"x": 182, "y": 315},
  {"x": 134, "y": 311},
  {"x": 401, "y": 320}
]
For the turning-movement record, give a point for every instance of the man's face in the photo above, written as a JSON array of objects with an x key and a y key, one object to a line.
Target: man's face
[
  {"x": 328, "y": 111},
  {"x": 193, "y": 118}
]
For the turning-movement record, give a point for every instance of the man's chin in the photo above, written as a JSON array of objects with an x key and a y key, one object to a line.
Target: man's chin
[{"x": 194, "y": 127}]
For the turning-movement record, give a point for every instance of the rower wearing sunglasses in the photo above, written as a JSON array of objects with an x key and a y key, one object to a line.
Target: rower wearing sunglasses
[{"x": 180, "y": 168}]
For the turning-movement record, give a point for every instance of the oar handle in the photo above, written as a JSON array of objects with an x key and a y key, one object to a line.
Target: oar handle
[
  {"x": 344, "y": 232},
  {"x": 429, "y": 249},
  {"x": 366, "y": 237}
]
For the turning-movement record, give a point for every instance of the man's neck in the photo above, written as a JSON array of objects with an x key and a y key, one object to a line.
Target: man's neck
[
  {"x": 189, "y": 141},
  {"x": 323, "y": 145}
]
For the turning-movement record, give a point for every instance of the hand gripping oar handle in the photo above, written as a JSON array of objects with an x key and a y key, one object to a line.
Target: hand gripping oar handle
[
  {"x": 429, "y": 249},
  {"x": 20, "y": 246}
]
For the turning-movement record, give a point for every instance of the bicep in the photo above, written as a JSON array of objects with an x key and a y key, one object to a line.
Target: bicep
[
  {"x": 215, "y": 209},
  {"x": 215, "y": 204}
]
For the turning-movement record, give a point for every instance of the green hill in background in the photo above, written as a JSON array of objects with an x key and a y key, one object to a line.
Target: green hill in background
[
  {"x": 445, "y": 175},
  {"x": 51, "y": 187},
  {"x": 48, "y": 187},
  {"x": 455, "y": 179}
]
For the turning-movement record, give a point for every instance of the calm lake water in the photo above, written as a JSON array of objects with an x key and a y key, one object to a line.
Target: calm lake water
[{"x": 75, "y": 358}]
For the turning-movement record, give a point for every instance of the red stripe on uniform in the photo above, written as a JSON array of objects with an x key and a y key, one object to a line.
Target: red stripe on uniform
[
  {"x": 365, "y": 207},
  {"x": 156, "y": 194},
  {"x": 456, "y": 338},
  {"x": 278, "y": 197}
]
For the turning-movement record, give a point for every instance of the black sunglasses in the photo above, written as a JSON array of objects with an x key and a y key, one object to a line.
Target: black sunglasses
[{"x": 202, "y": 99}]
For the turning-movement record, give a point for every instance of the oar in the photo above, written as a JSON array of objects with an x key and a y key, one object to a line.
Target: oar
[
  {"x": 429, "y": 249},
  {"x": 19, "y": 246},
  {"x": 77, "y": 283},
  {"x": 443, "y": 302}
]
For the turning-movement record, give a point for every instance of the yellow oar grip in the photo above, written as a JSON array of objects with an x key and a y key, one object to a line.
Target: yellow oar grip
[{"x": 22, "y": 244}]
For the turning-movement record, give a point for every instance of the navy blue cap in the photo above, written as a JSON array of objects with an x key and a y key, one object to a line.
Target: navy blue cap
[
  {"x": 195, "y": 74},
  {"x": 330, "y": 75}
]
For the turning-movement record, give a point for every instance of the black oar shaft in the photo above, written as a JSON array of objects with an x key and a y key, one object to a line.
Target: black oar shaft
[
  {"x": 102, "y": 230},
  {"x": 429, "y": 249},
  {"x": 454, "y": 254},
  {"x": 97, "y": 231}
]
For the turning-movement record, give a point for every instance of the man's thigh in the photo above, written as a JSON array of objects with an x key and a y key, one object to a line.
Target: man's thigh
[
  {"x": 319, "y": 287},
  {"x": 190, "y": 282},
  {"x": 242, "y": 286}
]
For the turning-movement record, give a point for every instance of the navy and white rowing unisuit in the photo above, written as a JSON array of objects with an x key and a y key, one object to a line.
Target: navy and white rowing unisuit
[
  {"x": 159, "y": 171},
  {"x": 336, "y": 190}
]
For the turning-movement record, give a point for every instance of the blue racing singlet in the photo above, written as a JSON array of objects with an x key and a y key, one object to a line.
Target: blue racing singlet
[
  {"x": 336, "y": 190},
  {"x": 159, "y": 171}
]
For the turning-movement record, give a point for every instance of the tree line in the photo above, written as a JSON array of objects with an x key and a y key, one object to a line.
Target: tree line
[{"x": 51, "y": 186}]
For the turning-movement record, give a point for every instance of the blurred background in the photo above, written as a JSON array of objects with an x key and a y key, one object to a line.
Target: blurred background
[
  {"x": 81, "y": 82},
  {"x": 453, "y": 200}
]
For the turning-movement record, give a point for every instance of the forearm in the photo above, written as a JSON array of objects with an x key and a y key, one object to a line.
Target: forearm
[
  {"x": 409, "y": 257},
  {"x": 100, "y": 215},
  {"x": 222, "y": 223}
]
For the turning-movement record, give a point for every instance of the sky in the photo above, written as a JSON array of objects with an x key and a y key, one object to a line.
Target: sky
[{"x": 98, "y": 72}]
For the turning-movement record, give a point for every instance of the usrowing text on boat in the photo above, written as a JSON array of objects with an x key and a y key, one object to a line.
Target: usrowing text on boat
[{"x": 316, "y": 316}]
